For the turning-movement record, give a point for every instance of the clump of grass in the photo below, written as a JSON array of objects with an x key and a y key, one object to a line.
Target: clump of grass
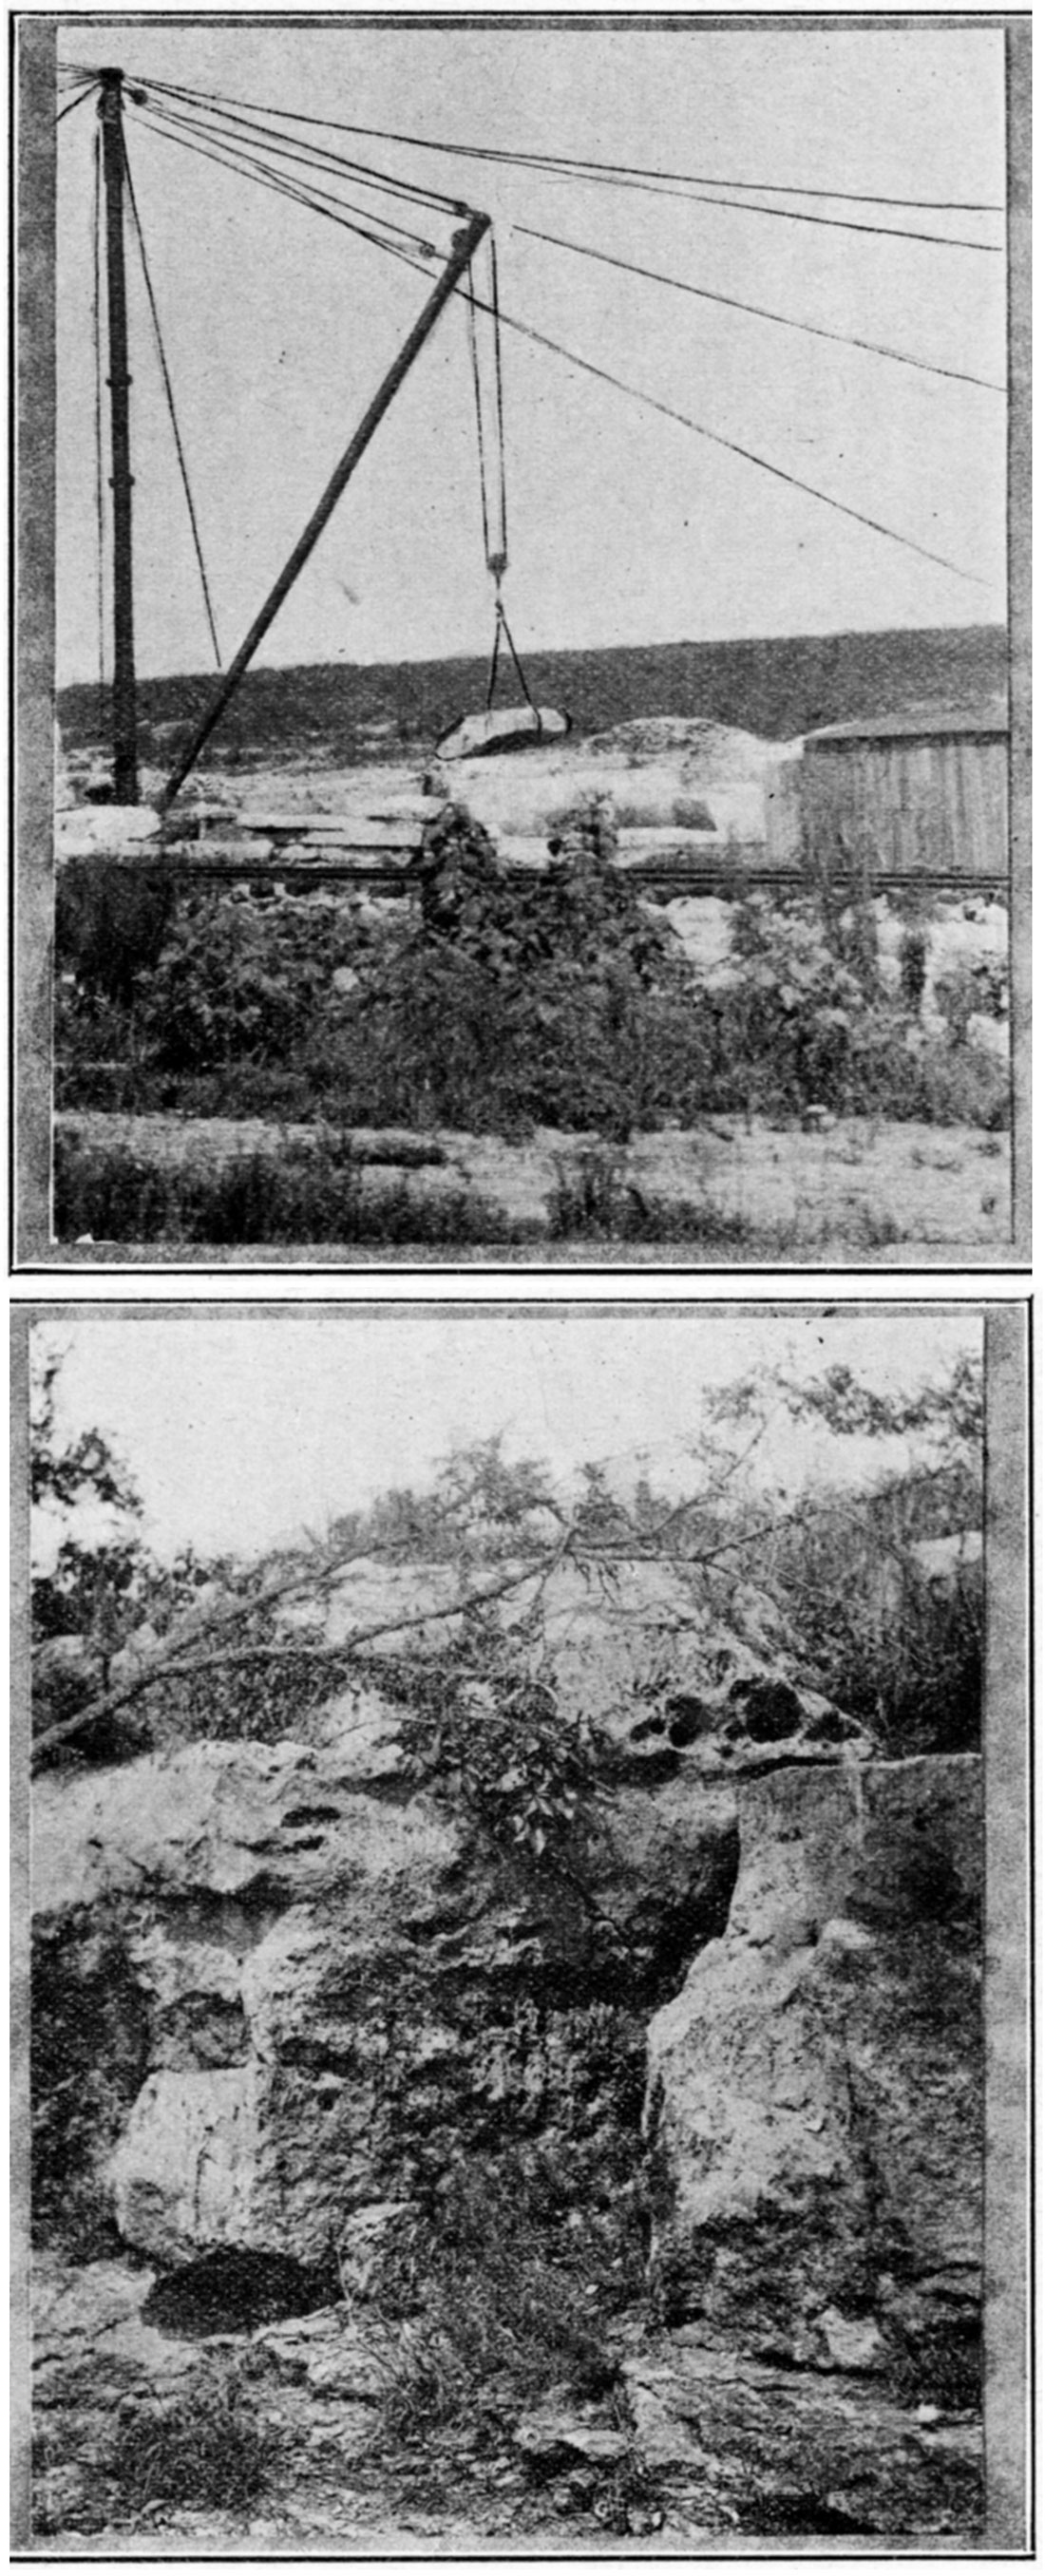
[
  {"x": 208, "y": 2449},
  {"x": 505, "y": 2285},
  {"x": 594, "y": 1202},
  {"x": 113, "y": 1194}
]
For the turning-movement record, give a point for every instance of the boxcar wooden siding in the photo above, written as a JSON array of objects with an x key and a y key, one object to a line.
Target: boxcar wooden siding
[{"x": 916, "y": 806}]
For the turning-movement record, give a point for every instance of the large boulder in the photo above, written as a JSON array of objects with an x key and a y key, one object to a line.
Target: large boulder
[{"x": 815, "y": 2116}]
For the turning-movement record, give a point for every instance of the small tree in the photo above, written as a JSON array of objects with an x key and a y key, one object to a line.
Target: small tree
[
  {"x": 101, "y": 1581},
  {"x": 908, "y": 1662},
  {"x": 94, "y": 1584},
  {"x": 896, "y": 1646}
]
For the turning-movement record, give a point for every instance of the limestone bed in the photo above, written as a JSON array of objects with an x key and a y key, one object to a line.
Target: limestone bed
[{"x": 281, "y": 1993}]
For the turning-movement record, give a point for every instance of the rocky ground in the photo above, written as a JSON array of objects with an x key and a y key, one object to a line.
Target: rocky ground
[{"x": 667, "y": 2464}]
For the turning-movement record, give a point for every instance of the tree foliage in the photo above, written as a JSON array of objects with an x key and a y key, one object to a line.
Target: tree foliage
[
  {"x": 96, "y": 1582},
  {"x": 855, "y": 1608}
]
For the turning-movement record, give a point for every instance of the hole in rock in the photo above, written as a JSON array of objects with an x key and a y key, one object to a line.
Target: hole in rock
[
  {"x": 231, "y": 2291},
  {"x": 833, "y": 1728},
  {"x": 646, "y": 1727},
  {"x": 809, "y": 2515},
  {"x": 687, "y": 1718},
  {"x": 312, "y": 1816},
  {"x": 771, "y": 1710}
]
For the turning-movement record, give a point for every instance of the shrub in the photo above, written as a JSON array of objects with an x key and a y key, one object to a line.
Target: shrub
[
  {"x": 235, "y": 982},
  {"x": 560, "y": 1000},
  {"x": 901, "y": 1655},
  {"x": 525, "y": 1773},
  {"x": 111, "y": 920},
  {"x": 497, "y": 1002},
  {"x": 807, "y": 1021}
]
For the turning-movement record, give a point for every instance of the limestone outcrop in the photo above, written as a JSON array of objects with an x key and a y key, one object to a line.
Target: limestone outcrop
[
  {"x": 280, "y": 1986},
  {"x": 327, "y": 1980},
  {"x": 815, "y": 2111}
]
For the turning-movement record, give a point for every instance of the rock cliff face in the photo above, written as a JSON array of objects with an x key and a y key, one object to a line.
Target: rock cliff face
[
  {"x": 816, "y": 2107},
  {"x": 324, "y": 1979},
  {"x": 279, "y": 1986}
]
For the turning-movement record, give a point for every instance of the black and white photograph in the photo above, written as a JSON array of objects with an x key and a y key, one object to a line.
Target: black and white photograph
[
  {"x": 524, "y": 579},
  {"x": 512, "y": 2066}
]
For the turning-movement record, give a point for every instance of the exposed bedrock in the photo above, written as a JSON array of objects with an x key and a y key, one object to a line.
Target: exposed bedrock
[
  {"x": 329, "y": 1985},
  {"x": 815, "y": 2112},
  {"x": 278, "y": 1988}
]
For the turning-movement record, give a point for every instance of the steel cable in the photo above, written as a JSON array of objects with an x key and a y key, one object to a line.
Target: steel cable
[
  {"x": 76, "y": 102},
  {"x": 817, "y": 330},
  {"x": 318, "y": 155},
  {"x": 582, "y": 165},
  {"x": 169, "y": 391},
  {"x": 668, "y": 411},
  {"x": 243, "y": 168},
  {"x": 251, "y": 146}
]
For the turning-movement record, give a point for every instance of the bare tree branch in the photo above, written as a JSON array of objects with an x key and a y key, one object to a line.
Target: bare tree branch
[
  {"x": 224, "y": 1661},
  {"x": 183, "y": 1662}
]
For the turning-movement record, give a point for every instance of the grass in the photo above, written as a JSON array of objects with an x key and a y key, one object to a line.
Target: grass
[
  {"x": 207, "y": 2450},
  {"x": 505, "y": 2286},
  {"x": 594, "y": 1203},
  {"x": 112, "y": 1194}
]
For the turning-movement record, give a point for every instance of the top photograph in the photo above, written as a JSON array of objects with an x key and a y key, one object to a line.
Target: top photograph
[{"x": 523, "y": 586}]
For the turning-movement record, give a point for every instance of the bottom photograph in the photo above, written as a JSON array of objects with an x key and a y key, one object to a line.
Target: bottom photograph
[{"x": 507, "y": 2033}]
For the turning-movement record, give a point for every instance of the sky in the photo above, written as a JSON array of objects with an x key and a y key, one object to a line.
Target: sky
[
  {"x": 624, "y": 526},
  {"x": 241, "y": 1431}
]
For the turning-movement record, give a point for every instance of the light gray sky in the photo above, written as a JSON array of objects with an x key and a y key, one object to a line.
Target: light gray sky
[
  {"x": 241, "y": 1430},
  {"x": 625, "y": 528}
]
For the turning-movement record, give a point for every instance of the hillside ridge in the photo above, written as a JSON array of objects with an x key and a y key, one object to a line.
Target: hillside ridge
[{"x": 776, "y": 687}]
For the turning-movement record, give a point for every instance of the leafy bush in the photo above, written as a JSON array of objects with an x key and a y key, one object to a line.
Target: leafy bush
[
  {"x": 231, "y": 984},
  {"x": 560, "y": 1000},
  {"x": 489, "y": 1737},
  {"x": 502, "y": 1001},
  {"x": 92, "y": 1589},
  {"x": 496, "y": 1004},
  {"x": 111, "y": 921},
  {"x": 808, "y": 1021}
]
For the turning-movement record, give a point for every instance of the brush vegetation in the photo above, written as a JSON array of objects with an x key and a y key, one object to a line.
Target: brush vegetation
[{"x": 491, "y": 1006}]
